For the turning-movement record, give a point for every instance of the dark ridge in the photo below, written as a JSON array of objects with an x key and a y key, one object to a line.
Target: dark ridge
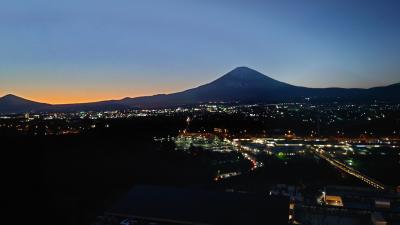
[{"x": 240, "y": 85}]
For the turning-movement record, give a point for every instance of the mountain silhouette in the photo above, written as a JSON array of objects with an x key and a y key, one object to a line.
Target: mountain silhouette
[
  {"x": 241, "y": 85},
  {"x": 245, "y": 85},
  {"x": 14, "y": 104}
]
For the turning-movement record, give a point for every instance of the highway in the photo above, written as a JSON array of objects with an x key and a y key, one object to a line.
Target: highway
[
  {"x": 349, "y": 170},
  {"x": 248, "y": 154}
]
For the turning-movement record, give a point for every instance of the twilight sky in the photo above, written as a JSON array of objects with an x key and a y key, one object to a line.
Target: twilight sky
[{"x": 88, "y": 50}]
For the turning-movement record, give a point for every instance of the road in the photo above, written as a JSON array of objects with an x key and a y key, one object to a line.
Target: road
[{"x": 347, "y": 169}]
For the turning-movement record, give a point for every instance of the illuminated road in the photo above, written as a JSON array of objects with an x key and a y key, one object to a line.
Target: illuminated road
[
  {"x": 249, "y": 148},
  {"x": 343, "y": 167},
  {"x": 249, "y": 154},
  {"x": 226, "y": 175}
]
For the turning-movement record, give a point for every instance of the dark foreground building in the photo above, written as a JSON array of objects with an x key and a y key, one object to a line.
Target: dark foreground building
[{"x": 158, "y": 205}]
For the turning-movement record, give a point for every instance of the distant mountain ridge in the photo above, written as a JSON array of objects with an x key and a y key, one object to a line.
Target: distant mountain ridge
[
  {"x": 246, "y": 85},
  {"x": 14, "y": 104},
  {"x": 242, "y": 85}
]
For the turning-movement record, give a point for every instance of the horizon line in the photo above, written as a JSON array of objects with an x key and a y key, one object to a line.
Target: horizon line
[{"x": 120, "y": 97}]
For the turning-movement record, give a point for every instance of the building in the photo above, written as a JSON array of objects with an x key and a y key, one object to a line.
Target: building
[
  {"x": 159, "y": 205},
  {"x": 377, "y": 219},
  {"x": 333, "y": 200}
]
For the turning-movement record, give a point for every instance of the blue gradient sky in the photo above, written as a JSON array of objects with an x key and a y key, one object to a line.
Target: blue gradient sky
[{"x": 87, "y": 50}]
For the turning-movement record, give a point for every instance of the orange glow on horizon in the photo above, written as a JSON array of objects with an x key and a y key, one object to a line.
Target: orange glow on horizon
[
  {"x": 71, "y": 98},
  {"x": 80, "y": 93}
]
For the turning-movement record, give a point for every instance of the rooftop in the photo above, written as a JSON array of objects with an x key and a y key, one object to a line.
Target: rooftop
[{"x": 190, "y": 206}]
